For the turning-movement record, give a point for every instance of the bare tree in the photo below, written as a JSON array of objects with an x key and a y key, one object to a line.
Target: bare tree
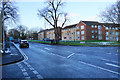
[
  {"x": 52, "y": 14},
  {"x": 110, "y": 14},
  {"x": 22, "y": 30},
  {"x": 10, "y": 12}
]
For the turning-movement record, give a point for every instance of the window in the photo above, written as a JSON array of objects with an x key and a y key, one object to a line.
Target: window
[
  {"x": 95, "y": 26},
  {"x": 77, "y": 27},
  {"x": 112, "y": 27},
  {"x": 82, "y": 38},
  {"x": 106, "y": 28},
  {"x": 92, "y": 26},
  {"x": 78, "y": 32},
  {"x": 99, "y": 32},
  {"x": 82, "y": 27},
  {"x": 107, "y": 38},
  {"x": 116, "y": 28},
  {"x": 100, "y": 37},
  {"x": 113, "y": 33},
  {"x": 110, "y": 38},
  {"x": 116, "y": 38},
  {"x": 117, "y": 33},
  {"x": 113, "y": 37},
  {"x": 92, "y": 31},
  {"x": 92, "y": 36},
  {"x": 95, "y": 31},
  {"x": 107, "y": 33},
  {"x": 78, "y": 37},
  {"x": 82, "y": 32},
  {"x": 99, "y": 27}
]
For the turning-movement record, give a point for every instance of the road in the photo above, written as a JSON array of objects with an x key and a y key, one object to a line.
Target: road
[{"x": 53, "y": 61}]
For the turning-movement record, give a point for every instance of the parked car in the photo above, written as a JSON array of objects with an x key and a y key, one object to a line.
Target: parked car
[
  {"x": 24, "y": 43},
  {"x": 16, "y": 41},
  {"x": 47, "y": 39}
]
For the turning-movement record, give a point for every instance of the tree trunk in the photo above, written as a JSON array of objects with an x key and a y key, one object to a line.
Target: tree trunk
[{"x": 56, "y": 36}]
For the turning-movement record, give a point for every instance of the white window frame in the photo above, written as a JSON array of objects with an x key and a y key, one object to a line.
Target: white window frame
[
  {"x": 82, "y": 37},
  {"x": 92, "y": 26},
  {"x": 82, "y": 26},
  {"x": 82, "y": 32}
]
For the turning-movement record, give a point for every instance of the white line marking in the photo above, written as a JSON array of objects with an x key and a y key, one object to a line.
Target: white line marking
[
  {"x": 117, "y": 50},
  {"x": 35, "y": 72},
  {"x": 39, "y": 77},
  {"x": 47, "y": 48},
  {"x": 70, "y": 55},
  {"x": 23, "y": 70},
  {"x": 26, "y": 63},
  {"x": 112, "y": 65},
  {"x": 43, "y": 51},
  {"x": 25, "y": 57},
  {"x": 31, "y": 68},
  {"x": 25, "y": 74},
  {"x": 100, "y": 68},
  {"x": 58, "y": 55},
  {"x": 108, "y": 53},
  {"x": 20, "y": 66},
  {"x": 110, "y": 61}
]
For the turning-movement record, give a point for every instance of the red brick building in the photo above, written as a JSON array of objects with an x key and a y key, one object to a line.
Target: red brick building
[{"x": 90, "y": 30}]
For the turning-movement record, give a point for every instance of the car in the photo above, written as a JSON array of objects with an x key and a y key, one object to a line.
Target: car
[
  {"x": 24, "y": 43},
  {"x": 47, "y": 39}
]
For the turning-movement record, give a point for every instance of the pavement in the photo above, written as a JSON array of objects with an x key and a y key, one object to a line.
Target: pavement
[{"x": 13, "y": 57}]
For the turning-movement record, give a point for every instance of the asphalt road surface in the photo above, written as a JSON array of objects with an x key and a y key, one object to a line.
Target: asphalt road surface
[{"x": 52, "y": 61}]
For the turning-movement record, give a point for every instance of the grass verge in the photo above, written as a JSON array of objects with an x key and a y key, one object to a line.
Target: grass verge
[{"x": 77, "y": 43}]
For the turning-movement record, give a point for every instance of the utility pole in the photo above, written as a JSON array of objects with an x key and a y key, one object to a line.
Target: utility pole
[
  {"x": 3, "y": 26},
  {"x": 119, "y": 20}
]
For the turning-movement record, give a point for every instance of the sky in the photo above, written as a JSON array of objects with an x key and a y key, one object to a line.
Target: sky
[{"x": 77, "y": 10}]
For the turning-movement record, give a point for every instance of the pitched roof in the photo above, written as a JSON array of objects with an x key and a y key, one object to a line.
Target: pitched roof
[
  {"x": 70, "y": 26},
  {"x": 90, "y": 22}
]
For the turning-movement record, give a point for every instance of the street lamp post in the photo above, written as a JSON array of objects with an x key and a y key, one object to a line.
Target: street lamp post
[{"x": 3, "y": 27}]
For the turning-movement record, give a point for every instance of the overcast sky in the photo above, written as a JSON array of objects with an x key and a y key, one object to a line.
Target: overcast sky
[{"x": 77, "y": 9}]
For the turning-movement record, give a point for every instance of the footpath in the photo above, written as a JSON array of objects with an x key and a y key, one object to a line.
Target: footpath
[{"x": 10, "y": 58}]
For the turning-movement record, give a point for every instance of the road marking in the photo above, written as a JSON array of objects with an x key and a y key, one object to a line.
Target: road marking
[
  {"x": 25, "y": 74},
  {"x": 108, "y": 53},
  {"x": 35, "y": 72},
  {"x": 58, "y": 55},
  {"x": 39, "y": 77},
  {"x": 25, "y": 57},
  {"x": 26, "y": 63},
  {"x": 47, "y": 48},
  {"x": 112, "y": 65},
  {"x": 31, "y": 68},
  {"x": 23, "y": 70},
  {"x": 117, "y": 50},
  {"x": 99, "y": 67},
  {"x": 70, "y": 55},
  {"x": 110, "y": 61},
  {"x": 43, "y": 51},
  {"x": 20, "y": 66}
]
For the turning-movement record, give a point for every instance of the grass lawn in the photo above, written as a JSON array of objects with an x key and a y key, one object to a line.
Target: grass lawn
[{"x": 77, "y": 43}]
